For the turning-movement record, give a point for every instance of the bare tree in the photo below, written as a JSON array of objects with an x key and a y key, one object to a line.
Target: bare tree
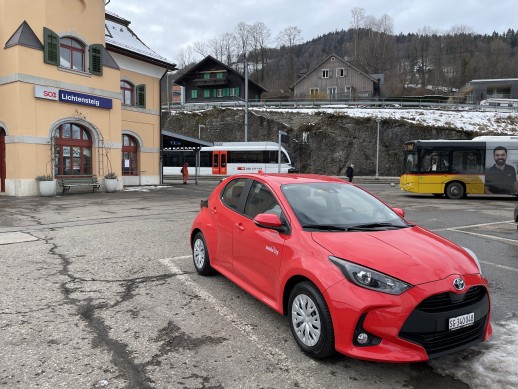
[
  {"x": 229, "y": 48},
  {"x": 185, "y": 57},
  {"x": 261, "y": 37},
  {"x": 242, "y": 35},
  {"x": 358, "y": 16},
  {"x": 289, "y": 38},
  {"x": 425, "y": 37},
  {"x": 201, "y": 48}
]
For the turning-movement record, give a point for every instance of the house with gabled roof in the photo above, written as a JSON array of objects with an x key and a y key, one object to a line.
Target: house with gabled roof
[
  {"x": 334, "y": 78},
  {"x": 80, "y": 97},
  {"x": 211, "y": 80}
]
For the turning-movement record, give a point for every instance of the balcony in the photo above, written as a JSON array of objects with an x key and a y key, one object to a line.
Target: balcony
[{"x": 201, "y": 82}]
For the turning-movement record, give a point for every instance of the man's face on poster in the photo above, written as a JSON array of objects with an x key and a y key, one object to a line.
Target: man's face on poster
[{"x": 500, "y": 157}]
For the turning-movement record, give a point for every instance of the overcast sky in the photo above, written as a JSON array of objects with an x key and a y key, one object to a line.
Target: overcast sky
[{"x": 167, "y": 26}]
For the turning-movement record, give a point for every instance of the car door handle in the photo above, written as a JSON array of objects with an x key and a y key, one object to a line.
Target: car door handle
[{"x": 240, "y": 227}]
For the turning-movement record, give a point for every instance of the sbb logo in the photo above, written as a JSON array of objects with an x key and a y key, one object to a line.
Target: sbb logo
[{"x": 49, "y": 94}]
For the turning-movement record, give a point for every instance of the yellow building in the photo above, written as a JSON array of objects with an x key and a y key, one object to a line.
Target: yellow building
[{"x": 80, "y": 96}]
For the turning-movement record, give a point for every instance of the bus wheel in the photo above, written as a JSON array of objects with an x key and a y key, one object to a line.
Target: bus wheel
[{"x": 455, "y": 191}]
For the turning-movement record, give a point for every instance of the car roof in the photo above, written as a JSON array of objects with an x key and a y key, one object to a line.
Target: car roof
[{"x": 290, "y": 178}]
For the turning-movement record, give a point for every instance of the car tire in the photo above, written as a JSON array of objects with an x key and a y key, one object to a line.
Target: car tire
[
  {"x": 310, "y": 321},
  {"x": 200, "y": 256},
  {"x": 455, "y": 190}
]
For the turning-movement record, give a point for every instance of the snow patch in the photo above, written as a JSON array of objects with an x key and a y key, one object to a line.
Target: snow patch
[{"x": 488, "y": 365}]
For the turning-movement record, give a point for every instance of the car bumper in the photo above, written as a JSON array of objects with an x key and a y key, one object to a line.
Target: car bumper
[{"x": 413, "y": 326}]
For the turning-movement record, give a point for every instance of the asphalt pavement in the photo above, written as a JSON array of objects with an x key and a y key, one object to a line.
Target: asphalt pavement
[{"x": 98, "y": 291}]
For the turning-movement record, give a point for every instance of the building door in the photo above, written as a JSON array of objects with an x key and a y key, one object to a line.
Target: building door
[
  {"x": 2, "y": 160},
  {"x": 129, "y": 156}
]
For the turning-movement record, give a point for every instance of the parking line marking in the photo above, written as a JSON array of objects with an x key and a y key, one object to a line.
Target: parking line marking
[
  {"x": 272, "y": 353},
  {"x": 500, "y": 266},
  {"x": 506, "y": 240},
  {"x": 474, "y": 225}
]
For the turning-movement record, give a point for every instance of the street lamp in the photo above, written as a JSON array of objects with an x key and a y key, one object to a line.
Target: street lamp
[
  {"x": 199, "y": 130},
  {"x": 378, "y": 146}
]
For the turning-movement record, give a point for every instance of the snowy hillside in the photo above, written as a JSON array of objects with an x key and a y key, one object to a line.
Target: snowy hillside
[{"x": 504, "y": 123}]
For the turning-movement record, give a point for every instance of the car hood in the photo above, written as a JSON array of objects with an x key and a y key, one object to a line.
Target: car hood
[{"x": 413, "y": 255}]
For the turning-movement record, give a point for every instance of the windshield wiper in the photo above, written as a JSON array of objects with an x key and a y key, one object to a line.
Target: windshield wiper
[
  {"x": 326, "y": 227},
  {"x": 371, "y": 226}
]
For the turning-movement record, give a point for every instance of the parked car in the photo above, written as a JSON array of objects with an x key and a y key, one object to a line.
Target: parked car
[{"x": 351, "y": 273}]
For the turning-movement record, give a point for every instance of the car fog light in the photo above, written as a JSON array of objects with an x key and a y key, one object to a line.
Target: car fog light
[{"x": 362, "y": 338}]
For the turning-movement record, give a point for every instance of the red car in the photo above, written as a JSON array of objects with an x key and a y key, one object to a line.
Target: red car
[{"x": 350, "y": 272}]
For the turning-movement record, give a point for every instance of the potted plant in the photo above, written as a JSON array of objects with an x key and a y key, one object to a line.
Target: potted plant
[
  {"x": 110, "y": 182},
  {"x": 47, "y": 185}
]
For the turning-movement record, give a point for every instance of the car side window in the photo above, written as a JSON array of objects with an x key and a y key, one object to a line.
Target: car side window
[
  {"x": 261, "y": 200},
  {"x": 232, "y": 193}
]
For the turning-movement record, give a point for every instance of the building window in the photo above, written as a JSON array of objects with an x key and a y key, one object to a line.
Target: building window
[
  {"x": 206, "y": 93},
  {"x": 194, "y": 94},
  {"x": 72, "y": 151},
  {"x": 325, "y": 73},
  {"x": 129, "y": 156},
  {"x": 234, "y": 91},
  {"x": 313, "y": 92},
  {"x": 340, "y": 72},
  {"x": 331, "y": 92},
  {"x": 219, "y": 93},
  {"x": 72, "y": 54},
  {"x": 127, "y": 93}
]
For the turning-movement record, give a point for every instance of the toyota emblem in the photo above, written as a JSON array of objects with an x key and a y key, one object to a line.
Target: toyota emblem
[{"x": 458, "y": 283}]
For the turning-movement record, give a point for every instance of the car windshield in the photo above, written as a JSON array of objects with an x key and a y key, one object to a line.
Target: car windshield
[{"x": 333, "y": 206}]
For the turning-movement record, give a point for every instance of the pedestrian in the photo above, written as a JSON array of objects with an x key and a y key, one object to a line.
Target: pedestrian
[
  {"x": 185, "y": 172},
  {"x": 349, "y": 172}
]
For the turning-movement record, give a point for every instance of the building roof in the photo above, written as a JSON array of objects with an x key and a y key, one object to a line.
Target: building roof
[
  {"x": 121, "y": 39},
  {"x": 24, "y": 36},
  {"x": 200, "y": 66},
  {"x": 325, "y": 60}
]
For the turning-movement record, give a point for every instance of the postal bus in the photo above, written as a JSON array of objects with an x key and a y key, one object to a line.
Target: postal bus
[
  {"x": 227, "y": 158},
  {"x": 456, "y": 168}
]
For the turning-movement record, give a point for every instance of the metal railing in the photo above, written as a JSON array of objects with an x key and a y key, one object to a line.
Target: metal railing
[{"x": 339, "y": 104}]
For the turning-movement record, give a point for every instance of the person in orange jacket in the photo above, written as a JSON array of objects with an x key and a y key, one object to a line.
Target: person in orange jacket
[{"x": 185, "y": 172}]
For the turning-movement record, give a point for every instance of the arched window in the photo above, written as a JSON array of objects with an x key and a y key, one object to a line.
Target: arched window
[
  {"x": 129, "y": 156},
  {"x": 72, "y": 54},
  {"x": 72, "y": 151},
  {"x": 127, "y": 92}
]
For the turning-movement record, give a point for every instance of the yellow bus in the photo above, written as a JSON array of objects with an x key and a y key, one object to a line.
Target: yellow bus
[{"x": 456, "y": 168}]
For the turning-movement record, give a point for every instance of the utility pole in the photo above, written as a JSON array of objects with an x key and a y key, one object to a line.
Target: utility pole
[
  {"x": 378, "y": 146},
  {"x": 246, "y": 101}
]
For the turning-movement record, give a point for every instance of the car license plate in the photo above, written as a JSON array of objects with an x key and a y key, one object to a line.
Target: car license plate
[{"x": 461, "y": 321}]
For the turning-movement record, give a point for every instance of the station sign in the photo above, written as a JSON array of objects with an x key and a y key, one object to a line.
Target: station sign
[{"x": 50, "y": 93}]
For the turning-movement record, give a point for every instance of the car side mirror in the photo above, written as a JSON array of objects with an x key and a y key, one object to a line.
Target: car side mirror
[
  {"x": 271, "y": 221},
  {"x": 399, "y": 211}
]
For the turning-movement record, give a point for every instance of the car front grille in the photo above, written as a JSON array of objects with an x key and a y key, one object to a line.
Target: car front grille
[
  {"x": 448, "y": 301},
  {"x": 428, "y": 323}
]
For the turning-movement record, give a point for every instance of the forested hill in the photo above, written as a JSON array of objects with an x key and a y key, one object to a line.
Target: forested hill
[{"x": 432, "y": 63}]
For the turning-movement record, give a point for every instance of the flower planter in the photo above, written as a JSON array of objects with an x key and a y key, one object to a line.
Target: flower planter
[
  {"x": 110, "y": 184},
  {"x": 47, "y": 188}
]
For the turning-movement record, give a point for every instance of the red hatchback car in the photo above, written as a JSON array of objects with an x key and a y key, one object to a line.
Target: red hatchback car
[{"x": 350, "y": 272}]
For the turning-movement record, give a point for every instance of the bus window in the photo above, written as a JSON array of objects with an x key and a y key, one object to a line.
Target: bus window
[
  {"x": 468, "y": 161},
  {"x": 215, "y": 160},
  {"x": 435, "y": 161},
  {"x": 411, "y": 163}
]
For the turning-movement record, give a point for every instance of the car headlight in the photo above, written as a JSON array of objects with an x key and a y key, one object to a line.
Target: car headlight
[
  {"x": 474, "y": 256},
  {"x": 370, "y": 279}
]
